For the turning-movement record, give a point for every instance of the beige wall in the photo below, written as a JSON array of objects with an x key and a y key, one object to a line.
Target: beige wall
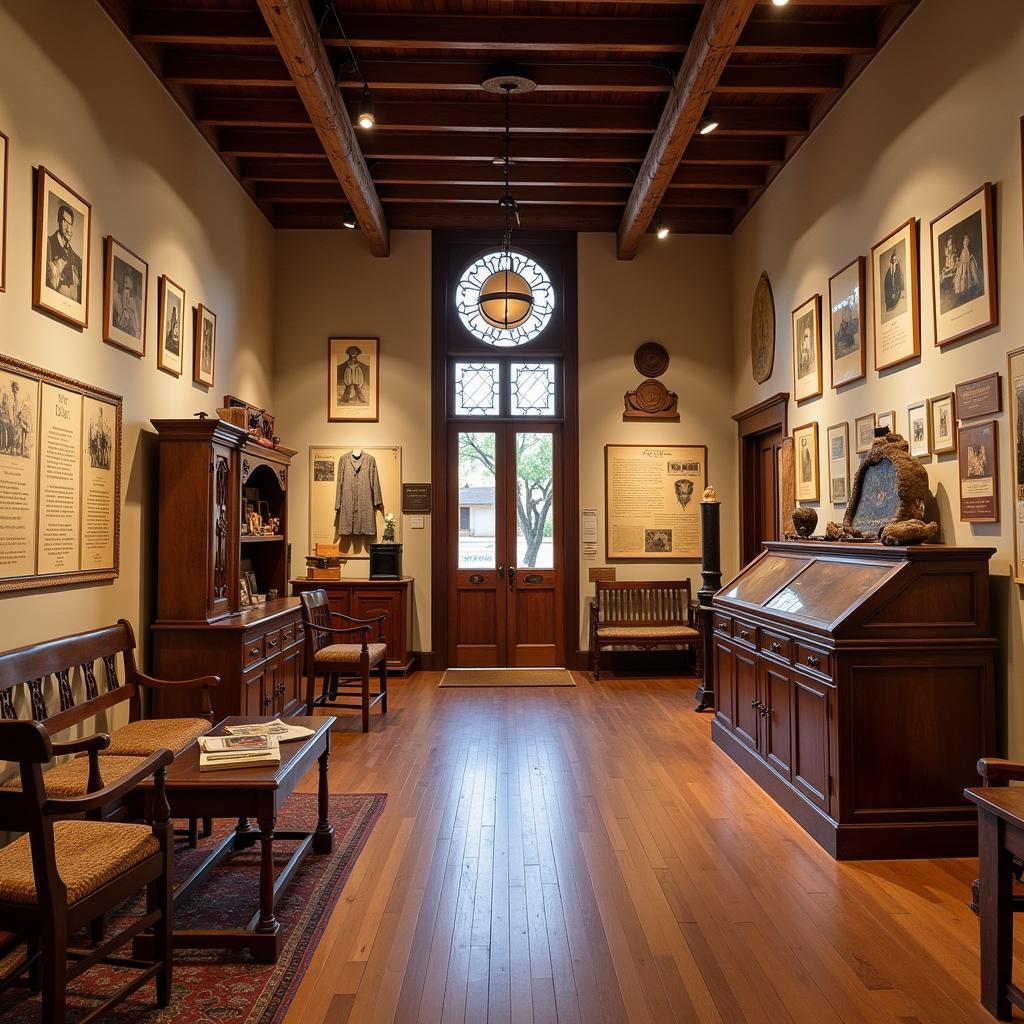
[
  {"x": 328, "y": 285},
  {"x": 75, "y": 97},
  {"x": 935, "y": 116},
  {"x": 676, "y": 291}
]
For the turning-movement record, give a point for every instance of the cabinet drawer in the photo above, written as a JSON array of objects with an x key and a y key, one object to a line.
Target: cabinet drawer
[
  {"x": 777, "y": 644},
  {"x": 289, "y": 634},
  {"x": 744, "y": 632},
  {"x": 273, "y": 642},
  {"x": 255, "y": 650},
  {"x": 723, "y": 625},
  {"x": 814, "y": 659}
]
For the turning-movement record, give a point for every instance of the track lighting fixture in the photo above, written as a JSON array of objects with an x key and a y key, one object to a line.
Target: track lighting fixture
[
  {"x": 366, "y": 118},
  {"x": 708, "y": 123},
  {"x": 780, "y": 3},
  {"x": 348, "y": 220},
  {"x": 661, "y": 230}
]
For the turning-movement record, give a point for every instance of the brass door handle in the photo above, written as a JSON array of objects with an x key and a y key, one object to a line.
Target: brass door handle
[
  {"x": 511, "y": 576},
  {"x": 501, "y": 571}
]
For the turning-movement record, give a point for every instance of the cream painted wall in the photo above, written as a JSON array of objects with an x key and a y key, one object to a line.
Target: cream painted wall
[
  {"x": 328, "y": 285},
  {"x": 75, "y": 97},
  {"x": 677, "y": 292},
  {"x": 935, "y": 116}
]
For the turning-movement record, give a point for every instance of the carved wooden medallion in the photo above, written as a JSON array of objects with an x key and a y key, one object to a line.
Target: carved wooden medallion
[
  {"x": 651, "y": 359},
  {"x": 762, "y": 330}
]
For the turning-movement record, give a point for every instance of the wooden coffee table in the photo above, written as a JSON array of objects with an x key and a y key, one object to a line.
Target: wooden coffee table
[{"x": 244, "y": 794}]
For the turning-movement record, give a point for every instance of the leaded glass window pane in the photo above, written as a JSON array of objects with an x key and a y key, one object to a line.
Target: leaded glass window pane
[
  {"x": 533, "y": 389},
  {"x": 477, "y": 389}
]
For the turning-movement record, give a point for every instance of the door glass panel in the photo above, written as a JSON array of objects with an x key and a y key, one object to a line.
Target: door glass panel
[
  {"x": 533, "y": 389},
  {"x": 476, "y": 500},
  {"x": 535, "y": 492}
]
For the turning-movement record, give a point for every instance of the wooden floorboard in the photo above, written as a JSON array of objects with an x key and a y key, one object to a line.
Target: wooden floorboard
[{"x": 579, "y": 855}]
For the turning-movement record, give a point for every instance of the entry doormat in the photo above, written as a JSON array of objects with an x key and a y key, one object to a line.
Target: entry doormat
[
  {"x": 227, "y": 985},
  {"x": 507, "y": 677}
]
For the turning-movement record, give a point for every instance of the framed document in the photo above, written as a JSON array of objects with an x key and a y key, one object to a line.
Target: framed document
[
  {"x": 60, "y": 479},
  {"x": 864, "y": 431},
  {"x": 846, "y": 323},
  {"x": 895, "y": 300},
  {"x": 652, "y": 500},
  {"x": 805, "y": 444},
  {"x": 839, "y": 463},
  {"x": 982, "y": 396},
  {"x": 979, "y": 473},
  {"x": 806, "y": 323}
]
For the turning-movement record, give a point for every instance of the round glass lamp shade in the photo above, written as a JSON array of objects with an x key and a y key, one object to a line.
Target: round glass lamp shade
[{"x": 506, "y": 300}]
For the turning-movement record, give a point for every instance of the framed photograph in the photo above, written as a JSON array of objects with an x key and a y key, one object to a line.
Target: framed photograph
[
  {"x": 250, "y": 580},
  {"x": 846, "y": 323},
  {"x": 806, "y": 321},
  {"x": 244, "y": 593},
  {"x": 963, "y": 270},
  {"x": 979, "y": 473},
  {"x": 887, "y": 420},
  {"x": 170, "y": 326},
  {"x": 839, "y": 463},
  {"x": 353, "y": 380},
  {"x": 982, "y": 396},
  {"x": 5, "y": 147},
  {"x": 805, "y": 444},
  {"x": 204, "y": 346},
  {"x": 1015, "y": 371},
  {"x": 919, "y": 430},
  {"x": 864, "y": 432},
  {"x": 895, "y": 299},
  {"x": 942, "y": 413},
  {"x": 125, "y": 293},
  {"x": 60, "y": 279}
]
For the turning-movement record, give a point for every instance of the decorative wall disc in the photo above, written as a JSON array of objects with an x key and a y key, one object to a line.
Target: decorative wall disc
[
  {"x": 762, "y": 330},
  {"x": 651, "y": 359},
  {"x": 651, "y": 396}
]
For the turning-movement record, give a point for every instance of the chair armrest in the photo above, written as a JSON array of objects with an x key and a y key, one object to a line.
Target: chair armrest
[
  {"x": 206, "y": 682},
  {"x": 108, "y": 794},
  {"x": 86, "y": 744},
  {"x": 998, "y": 772},
  {"x": 351, "y": 618},
  {"x": 337, "y": 630}
]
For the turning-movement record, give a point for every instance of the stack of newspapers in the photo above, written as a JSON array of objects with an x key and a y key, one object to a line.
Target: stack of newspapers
[{"x": 248, "y": 746}]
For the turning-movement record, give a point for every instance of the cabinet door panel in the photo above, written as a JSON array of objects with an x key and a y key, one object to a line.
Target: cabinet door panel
[
  {"x": 776, "y": 693},
  {"x": 253, "y": 685},
  {"x": 747, "y": 715},
  {"x": 725, "y": 685},
  {"x": 367, "y": 604},
  {"x": 291, "y": 678},
  {"x": 810, "y": 739}
]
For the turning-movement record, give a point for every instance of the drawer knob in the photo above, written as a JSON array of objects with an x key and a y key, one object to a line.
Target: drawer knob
[
  {"x": 744, "y": 635},
  {"x": 775, "y": 646},
  {"x": 722, "y": 628},
  {"x": 272, "y": 643},
  {"x": 254, "y": 652},
  {"x": 267, "y": 701},
  {"x": 813, "y": 661}
]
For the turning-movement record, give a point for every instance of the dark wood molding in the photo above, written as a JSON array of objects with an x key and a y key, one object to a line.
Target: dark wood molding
[
  {"x": 764, "y": 418},
  {"x": 758, "y": 418}
]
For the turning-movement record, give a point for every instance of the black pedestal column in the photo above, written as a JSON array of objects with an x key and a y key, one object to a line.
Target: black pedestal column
[{"x": 711, "y": 576}]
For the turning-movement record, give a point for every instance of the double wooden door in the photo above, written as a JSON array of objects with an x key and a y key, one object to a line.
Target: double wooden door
[{"x": 504, "y": 532}]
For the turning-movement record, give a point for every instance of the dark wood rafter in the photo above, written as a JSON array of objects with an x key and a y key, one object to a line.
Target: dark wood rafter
[
  {"x": 295, "y": 34},
  {"x": 720, "y": 26}
]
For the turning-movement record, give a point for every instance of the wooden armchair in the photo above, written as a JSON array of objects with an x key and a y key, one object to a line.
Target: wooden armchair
[
  {"x": 997, "y": 771},
  {"x": 62, "y": 874},
  {"x": 345, "y": 666}
]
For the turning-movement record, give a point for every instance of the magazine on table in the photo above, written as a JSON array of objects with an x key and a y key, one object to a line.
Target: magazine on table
[
  {"x": 220, "y": 752},
  {"x": 281, "y": 731}
]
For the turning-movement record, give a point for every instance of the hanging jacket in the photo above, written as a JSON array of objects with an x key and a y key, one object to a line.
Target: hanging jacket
[{"x": 358, "y": 496}]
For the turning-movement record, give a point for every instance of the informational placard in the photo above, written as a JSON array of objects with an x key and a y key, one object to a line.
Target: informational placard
[
  {"x": 652, "y": 500},
  {"x": 324, "y": 473},
  {"x": 60, "y": 479},
  {"x": 416, "y": 499}
]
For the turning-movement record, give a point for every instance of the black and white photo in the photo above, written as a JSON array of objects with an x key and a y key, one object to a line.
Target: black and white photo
[
  {"x": 942, "y": 413},
  {"x": 896, "y": 319},
  {"x": 979, "y": 473},
  {"x": 806, "y": 325},
  {"x": 100, "y": 440},
  {"x": 205, "y": 346},
  {"x": 918, "y": 430},
  {"x": 170, "y": 327},
  {"x": 864, "y": 432},
  {"x": 17, "y": 418},
  {"x": 353, "y": 380},
  {"x": 839, "y": 463},
  {"x": 658, "y": 542},
  {"x": 63, "y": 228},
  {"x": 323, "y": 470},
  {"x": 805, "y": 445},
  {"x": 846, "y": 323},
  {"x": 125, "y": 294}
]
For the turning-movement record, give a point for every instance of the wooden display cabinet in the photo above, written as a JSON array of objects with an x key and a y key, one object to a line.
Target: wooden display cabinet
[
  {"x": 855, "y": 684},
  {"x": 206, "y": 468}
]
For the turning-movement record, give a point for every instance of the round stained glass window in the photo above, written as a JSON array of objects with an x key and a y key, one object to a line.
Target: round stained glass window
[{"x": 467, "y": 298}]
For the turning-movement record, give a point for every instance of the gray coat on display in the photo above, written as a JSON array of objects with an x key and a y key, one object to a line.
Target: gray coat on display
[{"x": 358, "y": 496}]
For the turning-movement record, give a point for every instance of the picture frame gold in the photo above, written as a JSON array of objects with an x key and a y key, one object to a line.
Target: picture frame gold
[
  {"x": 942, "y": 417},
  {"x": 805, "y": 323},
  {"x": 805, "y": 445},
  {"x": 864, "y": 432},
  {"x": 895, "y": 297},
  {"x": 919, "y": 429},
  {"x": 170, "y": 326},
  {"x": 846, "y": 317},
  {"x": 838, "y": 459}
]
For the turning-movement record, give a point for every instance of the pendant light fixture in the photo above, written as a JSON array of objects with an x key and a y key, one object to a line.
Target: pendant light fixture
[
  {"x": 506, "y": 299},
  {"x": 365, "y": 116}
]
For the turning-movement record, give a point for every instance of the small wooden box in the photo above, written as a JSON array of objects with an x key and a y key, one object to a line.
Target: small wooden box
[{"x": 333, "y": 573}]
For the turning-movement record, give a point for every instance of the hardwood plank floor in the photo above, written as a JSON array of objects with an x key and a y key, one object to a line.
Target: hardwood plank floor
[{"x": 583, "y": 855}]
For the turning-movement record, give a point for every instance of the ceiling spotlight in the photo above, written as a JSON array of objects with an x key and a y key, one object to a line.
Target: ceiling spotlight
[
  {"x": 780, "y": 3},
  {"x": 366, "y": 118},
  {"x": 708, "y": 123},
  {"x": 661, "y": 230},
  {"x": 349, "y": 220}
]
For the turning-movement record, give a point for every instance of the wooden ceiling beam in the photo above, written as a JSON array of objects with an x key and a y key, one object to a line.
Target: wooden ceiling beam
[
  {"x": 191, "y": 67},
  {"x": 296, "y": 38},
  {"x": 720, "y": 25}
]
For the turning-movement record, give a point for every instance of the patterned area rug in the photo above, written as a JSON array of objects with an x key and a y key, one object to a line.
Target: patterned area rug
[
  {"x": 507, "y": 677},
  {"x": 218, "y": 986}
]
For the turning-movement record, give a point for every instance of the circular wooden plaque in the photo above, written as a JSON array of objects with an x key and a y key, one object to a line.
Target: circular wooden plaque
[
  {"x": 651, "y": 396},
  {"x": 762, "y": 330},
  {"x": 651, "y": 359}
]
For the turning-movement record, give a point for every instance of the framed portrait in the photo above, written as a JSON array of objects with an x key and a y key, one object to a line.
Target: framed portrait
[
  {"x": 805, "y": 446},
  {"x": 887, "y": 420},
  {"x": 942, "y": 413},
  {"x": 806, "y": 321},
  {"x": 919, "y": 430},
  {"x": 244, "y": 593},
  {"x": 170, "y": 326},
  {"x": 60, "y": 278},
  {"x": 895, "y": 299},
  {"x": 5, "y": 147},
  {"x": 846, "y": 323},
  {"x": 204, "y": 346},
  {"x": 839, "y": 463},
  {"x": 353, "y": 380},
  {"x": 963, "y": 271},
  {"x": 864, "y": 432},
  {"x": 979, "y": 473},
  {"x": 125, "y": 293},
  {"x": 1015, "y": 372}
]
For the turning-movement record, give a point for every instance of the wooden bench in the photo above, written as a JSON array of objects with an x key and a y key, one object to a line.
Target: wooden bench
[
  {"x": 62, "y": 683},
  {"x": 643, "y": 614}
]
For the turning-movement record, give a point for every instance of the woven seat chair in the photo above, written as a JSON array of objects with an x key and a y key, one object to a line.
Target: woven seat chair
[
  {"x": 345, "y": 667},
  {"x": 66, "y": 871}
]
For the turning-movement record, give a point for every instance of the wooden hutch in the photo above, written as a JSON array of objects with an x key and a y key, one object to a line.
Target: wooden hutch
[
  {"x": 855, "y": 685},
  {"x": 206, "y": 468}
]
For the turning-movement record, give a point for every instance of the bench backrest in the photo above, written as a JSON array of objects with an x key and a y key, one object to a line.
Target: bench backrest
[
  {"x": 643, "y": 603},
  {"x": 67, "y": 681}
]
